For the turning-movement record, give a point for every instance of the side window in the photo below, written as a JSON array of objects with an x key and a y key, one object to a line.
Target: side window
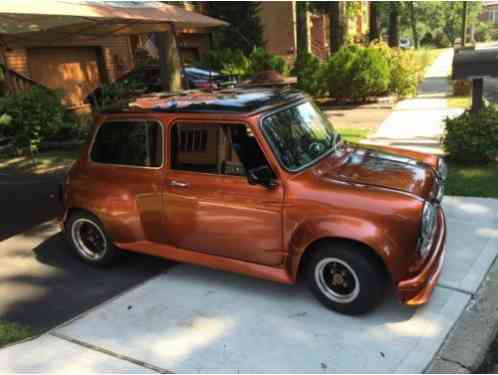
[
  {"x": 133, "y": 143},
  {"x": 215, "y": 149}
]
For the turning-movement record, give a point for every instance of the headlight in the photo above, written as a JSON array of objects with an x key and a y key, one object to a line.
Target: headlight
[
  {"x": 442, "y": 169},
  {"x": 428, "y": 228}
]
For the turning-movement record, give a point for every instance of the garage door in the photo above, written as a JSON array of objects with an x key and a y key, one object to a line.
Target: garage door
[{"x": 75, "y": 70}]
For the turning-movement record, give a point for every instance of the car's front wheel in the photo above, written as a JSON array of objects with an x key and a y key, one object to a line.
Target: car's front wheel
[
  {"x": 345, "y": 277},
  {"x": 87, "y": 237}
]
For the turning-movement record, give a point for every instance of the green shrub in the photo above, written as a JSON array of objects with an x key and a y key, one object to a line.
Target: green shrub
[
  {"x": 461, "y": 87},
  {"x": 357, "y": 73},
  {"x": 441, "y": 40},
  {"x": 473, "y": 138},
  {"x": 405, "y": 69},
  {"x": 427, "y": 40},
  {"x": 226, "y": 61},
  {"x": 309, "y": 73},
  {"x": 260, "y": 60},
  {"x": 34, "y": 115},
  {"x": 482, "y": 33}
]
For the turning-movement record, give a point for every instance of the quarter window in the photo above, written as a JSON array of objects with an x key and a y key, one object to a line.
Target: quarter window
[
  {"x": 133, "y": 143},
  {"x": 215, "y": 149}
]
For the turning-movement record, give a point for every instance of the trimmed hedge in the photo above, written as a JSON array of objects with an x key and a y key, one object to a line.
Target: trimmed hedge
[
  {"x": 357, "y": 73},
  {"x": 473, "y": 138}
]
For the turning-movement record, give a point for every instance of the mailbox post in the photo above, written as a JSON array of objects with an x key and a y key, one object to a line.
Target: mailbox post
[{"x": 475, "y": 65}]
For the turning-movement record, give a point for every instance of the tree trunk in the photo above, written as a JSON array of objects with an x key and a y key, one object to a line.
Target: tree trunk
[
  {"x": 393, "y": 37},
  {"x": 413, "y": 21},
  {"x": 463, "y": 34},
  {"x": 7, "y": 78},
  {"x": 373, "y": 32},
  {"x": 338, "y": 25},
  {"x": 302, "y": 28},
  {"x": 169, "y": 61}
]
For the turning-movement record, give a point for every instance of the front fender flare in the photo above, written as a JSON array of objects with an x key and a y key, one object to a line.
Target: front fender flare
[{"x": 370, "y": 234}]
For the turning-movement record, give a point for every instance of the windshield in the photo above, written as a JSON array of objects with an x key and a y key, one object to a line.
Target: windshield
[{"x": 299, "y": 135}]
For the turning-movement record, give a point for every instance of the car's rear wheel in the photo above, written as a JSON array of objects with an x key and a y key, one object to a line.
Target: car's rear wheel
[
  {"x": 88, "y": 238},
  {"x": 345, "y": 277}
]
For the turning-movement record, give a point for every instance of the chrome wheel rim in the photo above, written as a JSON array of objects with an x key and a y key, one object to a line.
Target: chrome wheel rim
[
  {"x": 337, "y": 280},
  {"x": 89, "y": 239}
]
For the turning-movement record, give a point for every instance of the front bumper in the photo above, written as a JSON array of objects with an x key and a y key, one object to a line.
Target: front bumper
[{"x": 417, "y": 289}]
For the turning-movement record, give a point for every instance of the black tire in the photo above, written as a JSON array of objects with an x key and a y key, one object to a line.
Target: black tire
[
  {"x": 346, "y": 277},
  {"x": 105, "y": 253}
]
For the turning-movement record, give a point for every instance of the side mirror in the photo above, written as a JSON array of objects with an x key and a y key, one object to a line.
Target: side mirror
[{"x": 262, "y": 176}]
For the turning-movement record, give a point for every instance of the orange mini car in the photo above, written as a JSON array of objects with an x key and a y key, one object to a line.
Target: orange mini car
[{"x": 258, "y": 182}]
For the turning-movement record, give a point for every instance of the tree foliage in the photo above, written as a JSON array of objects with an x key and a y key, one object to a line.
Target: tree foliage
[
  {"x": 433, "y": 17},
  {"x": 244, "y": 32}
]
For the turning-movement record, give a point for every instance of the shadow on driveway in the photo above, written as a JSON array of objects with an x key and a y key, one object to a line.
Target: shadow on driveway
[
  {"x": 48, "y": 285},
  {"x": 42, "y": 284}
]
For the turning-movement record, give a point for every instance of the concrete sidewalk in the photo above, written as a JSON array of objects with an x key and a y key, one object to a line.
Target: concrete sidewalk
[
  {"x": 192, "y": 319},
  {"x": 418, "y": 123}
]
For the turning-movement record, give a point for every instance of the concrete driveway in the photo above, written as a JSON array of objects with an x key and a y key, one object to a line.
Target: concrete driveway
[{"x": 190, "y": 319}]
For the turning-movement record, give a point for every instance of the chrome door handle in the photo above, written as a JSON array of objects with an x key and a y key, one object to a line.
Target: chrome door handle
[{"x": 179, "y": 184}]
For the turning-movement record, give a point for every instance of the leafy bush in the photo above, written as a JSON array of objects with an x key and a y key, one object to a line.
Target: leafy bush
[
  {"x": 260, "y": 60},
  {"x": 441, "y": 40},
  {"x": 309, "y": 73},
  {"x": 473, "y": 138},
  {"x": 405, "y": 69},
  {"x": 427, "y": 40},
  {"x": 226, "y": 61},
  {"x": 233, "y": 61},
  {"x": 482, "y": 33},
  {"x": 357, "y": 73},
  {"x": 33, "y": 114},
  {"x": 462, "y": 87}
]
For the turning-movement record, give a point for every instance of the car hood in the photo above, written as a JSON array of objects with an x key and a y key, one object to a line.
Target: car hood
[{"x": 384, "y": 170}]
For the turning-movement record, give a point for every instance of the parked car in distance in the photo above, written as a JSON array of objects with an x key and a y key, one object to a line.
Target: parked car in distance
[
  {"x": 405, "y": 43},
  {"x": 147, "y": 79},
  {"x": 258, "y": 182}
]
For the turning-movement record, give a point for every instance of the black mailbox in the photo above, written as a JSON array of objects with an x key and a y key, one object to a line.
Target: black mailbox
[
  {"x": 474, "y": 65},
  {"x": 470, "y": 64}
]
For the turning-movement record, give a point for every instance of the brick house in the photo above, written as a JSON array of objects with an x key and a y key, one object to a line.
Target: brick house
[
  {"x": 278, "y": 19},
  {"x": 79, "y": 65},
  {"x": 489, "y": 13}
]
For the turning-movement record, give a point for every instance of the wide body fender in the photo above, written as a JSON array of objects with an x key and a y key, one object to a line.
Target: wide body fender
[{"x": 395, "y": 250}]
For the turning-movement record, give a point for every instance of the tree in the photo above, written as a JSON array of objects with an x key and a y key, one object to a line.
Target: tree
[
  {"x": 336, "y": 29},
  {"x": 393, "y": 37},
  {"x": 302, "y": 31},
  {"x": 374, "y": 32},
  {"x": 463, "y": 34},
  {"x": 170, "y": 64},
  {"x": 413, "y": 22},
  {"x": 244, "y": 32},
  {"x": 339, "y": 13}
]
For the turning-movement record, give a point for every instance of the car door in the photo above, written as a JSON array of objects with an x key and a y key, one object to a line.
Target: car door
[{"x": 208, "y": 204}]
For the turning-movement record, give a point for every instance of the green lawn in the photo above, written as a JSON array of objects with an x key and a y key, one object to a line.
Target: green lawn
[
  {"x": 45, "y": 162},
  {"x": 11, "y": 332},
  {"x": 473, "y": 181},
  {"x": 426, "y": 56},
  {"x": 353, "y": 134}
]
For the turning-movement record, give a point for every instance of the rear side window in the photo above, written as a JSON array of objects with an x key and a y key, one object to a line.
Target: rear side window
[{"x": 133, "y": 143}]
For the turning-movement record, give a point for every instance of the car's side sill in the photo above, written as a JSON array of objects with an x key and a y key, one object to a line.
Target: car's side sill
[{"x": 277, "y": 274}]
